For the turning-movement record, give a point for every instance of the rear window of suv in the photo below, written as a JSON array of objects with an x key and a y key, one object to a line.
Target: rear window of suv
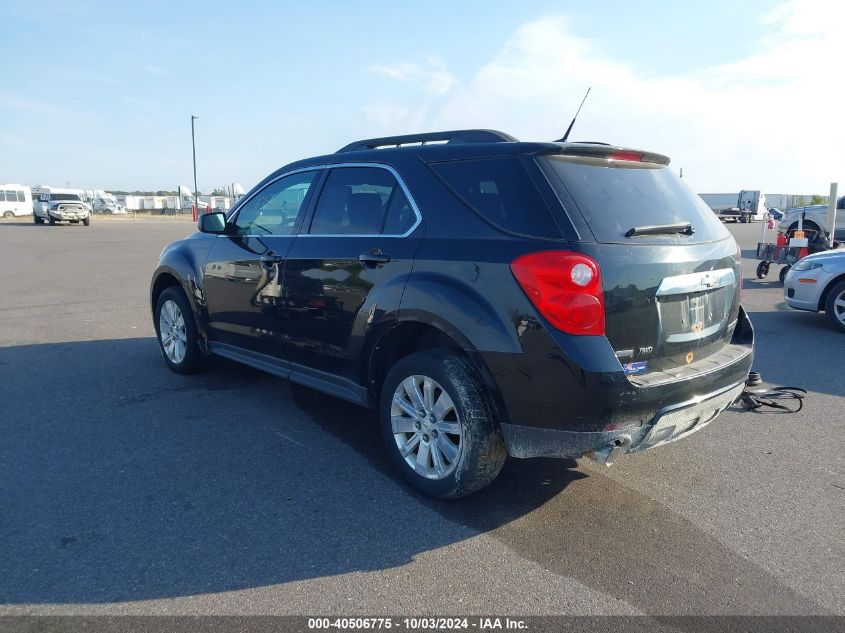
[
  {"x": 614, "y": 199},
  {"x": 501, "y": 191}
]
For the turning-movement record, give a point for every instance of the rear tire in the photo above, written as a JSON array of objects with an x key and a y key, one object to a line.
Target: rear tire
[
  {"x": 834, "y": 306},
  {"x": 8, "y": 214},
  {"x": 51, "y": 221},
  {"x": 743, "y": 218},
  {"x": 456, "y": 445},
  {"x": 36, "y": 219},
  {"x": 762, "y": 270},
  {"x": 177, "y": 334}
]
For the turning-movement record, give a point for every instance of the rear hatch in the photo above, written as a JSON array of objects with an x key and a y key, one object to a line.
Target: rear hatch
[{"x": 670, "y": 269}]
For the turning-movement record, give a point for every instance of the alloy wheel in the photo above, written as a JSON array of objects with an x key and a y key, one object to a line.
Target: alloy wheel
[
  {"x": 839, "y": 307},
  {"x": 171, "y": 332}
]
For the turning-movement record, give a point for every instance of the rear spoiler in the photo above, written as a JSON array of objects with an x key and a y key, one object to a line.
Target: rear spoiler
[{"x": 607, "y": 152}]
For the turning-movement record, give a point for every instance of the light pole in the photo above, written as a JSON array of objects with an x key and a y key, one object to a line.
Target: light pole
[{"x": 194, "y": 146}]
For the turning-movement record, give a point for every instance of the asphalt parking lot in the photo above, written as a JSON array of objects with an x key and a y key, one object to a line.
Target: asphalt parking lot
[{"x": 129, "y": 489}]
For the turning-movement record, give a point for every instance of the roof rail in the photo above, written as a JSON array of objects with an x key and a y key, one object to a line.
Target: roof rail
[{"x": 455, "y": 136}]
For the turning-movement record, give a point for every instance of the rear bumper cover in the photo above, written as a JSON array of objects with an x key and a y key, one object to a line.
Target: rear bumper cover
[{"x": 669, "y": 424}]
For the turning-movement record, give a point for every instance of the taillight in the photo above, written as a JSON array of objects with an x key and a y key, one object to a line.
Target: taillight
[{"x": 566, "y": 289}]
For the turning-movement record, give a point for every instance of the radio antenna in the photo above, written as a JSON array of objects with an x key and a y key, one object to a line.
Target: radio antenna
[{"x": 569, "y": 129}]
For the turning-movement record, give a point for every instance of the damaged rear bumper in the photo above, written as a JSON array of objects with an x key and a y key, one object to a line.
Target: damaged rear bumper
[{"x": 670, "y": 423}]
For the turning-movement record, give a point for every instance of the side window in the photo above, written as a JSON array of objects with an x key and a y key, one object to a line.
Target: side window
[
  {"x": 400, "y": 215},
  {"x": 21, "y": 196},
  {"x": 500, "y": 190},
  {"x": 10, "y": 196},
  {"x": 278, "y": 208},
  {"x": 358, "y": 200}
]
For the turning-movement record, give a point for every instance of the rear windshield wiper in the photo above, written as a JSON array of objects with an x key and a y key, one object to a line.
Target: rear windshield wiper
[{"x": 684, "y": 228}]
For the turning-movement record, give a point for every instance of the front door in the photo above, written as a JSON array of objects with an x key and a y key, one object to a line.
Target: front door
[
  {"x": 345, "y": 274},
  {"x": 242, "y": 277}
]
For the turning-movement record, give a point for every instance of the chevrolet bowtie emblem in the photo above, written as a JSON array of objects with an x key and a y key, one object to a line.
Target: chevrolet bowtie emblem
[{"x": 708, "y": 282}]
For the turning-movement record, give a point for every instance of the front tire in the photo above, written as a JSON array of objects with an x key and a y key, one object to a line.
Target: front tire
[
  {"x": 782, "y": 274},
  {"x": 440, "y": 425},
  {"x": 834, "y": 306},
  {"x": 51, "y": 220},
  {"x": 87, "y": 221},
  {"x": 177, "y": 332},
  {"x": 8, "y": 214}
]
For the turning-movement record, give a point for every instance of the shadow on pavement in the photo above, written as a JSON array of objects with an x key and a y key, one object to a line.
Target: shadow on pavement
[
  {"x": 785, "y": 337},
  {"x": 123, "y": 481}
]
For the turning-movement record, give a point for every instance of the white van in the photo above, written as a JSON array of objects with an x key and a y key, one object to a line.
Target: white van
[{"x": 15, "y": 200}]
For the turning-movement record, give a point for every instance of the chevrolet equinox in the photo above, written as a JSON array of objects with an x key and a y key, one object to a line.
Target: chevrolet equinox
[{"x": 489, "y": 297}]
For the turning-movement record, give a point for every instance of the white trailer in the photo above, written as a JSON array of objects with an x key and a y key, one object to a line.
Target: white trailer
[{"x": 745, "y": 206}]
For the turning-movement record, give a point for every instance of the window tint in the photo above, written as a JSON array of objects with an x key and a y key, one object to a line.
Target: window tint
[
  {"x": 500, "y": 190},
  {"x": 616, "y": 199},
  {"x": 354, "y": 202},
  {"x": 276, "y": 209},
  {"x": 400, "y": 215}
]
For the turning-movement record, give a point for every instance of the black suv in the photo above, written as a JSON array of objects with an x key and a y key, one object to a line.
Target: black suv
[{"x": 491, "y": 297}]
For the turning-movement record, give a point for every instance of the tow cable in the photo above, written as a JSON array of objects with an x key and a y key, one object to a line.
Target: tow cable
[{"x": 756, "y": 399}]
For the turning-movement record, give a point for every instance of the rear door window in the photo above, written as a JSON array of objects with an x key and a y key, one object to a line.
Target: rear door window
[
  {"x": 615, "y": 199},
  {"x": 502, "y": 192},
  {"x": 362, "y": 201}
]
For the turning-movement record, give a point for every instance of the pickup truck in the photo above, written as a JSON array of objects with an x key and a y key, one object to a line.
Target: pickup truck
[
  {"x": 61, "y": 207},
  {"x": 815, "y": 218},
  {"x": 747, "y": 206}
]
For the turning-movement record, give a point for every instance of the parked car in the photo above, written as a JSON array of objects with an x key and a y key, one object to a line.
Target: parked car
[
  {"x": 815, "y": 218},
  {"x": 816, "y": 283},
  {"x": 55, "y": 207},
  {"x": 776, "y": 213},
  {"x": 489, "y": 297}
]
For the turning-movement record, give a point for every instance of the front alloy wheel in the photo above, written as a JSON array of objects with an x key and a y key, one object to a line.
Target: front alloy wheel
[
  {"x": 177, "y": 332},
  {"x": 426, "y": 427},
  {"x": 171, "y": 332},
  {"x": 835, "y": 306}
]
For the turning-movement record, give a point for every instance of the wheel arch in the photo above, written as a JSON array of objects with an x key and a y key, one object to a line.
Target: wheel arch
[
  {"x": 163, "y": 279},
  {"x": 412, "y": 335}
]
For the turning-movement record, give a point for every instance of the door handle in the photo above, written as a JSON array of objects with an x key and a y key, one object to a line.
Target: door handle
[
  {"x": 373, "y": 257},
  {"x": 271, "y": 259}
]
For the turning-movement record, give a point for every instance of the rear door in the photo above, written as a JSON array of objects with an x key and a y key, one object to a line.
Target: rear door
[
  {"x": 345, "y": 274},
  {"x": 671, "y": 299},
  {"x": 242, "y": 277}
]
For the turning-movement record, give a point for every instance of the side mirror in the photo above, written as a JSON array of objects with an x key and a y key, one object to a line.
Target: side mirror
[{"x": 212, "y": 222}]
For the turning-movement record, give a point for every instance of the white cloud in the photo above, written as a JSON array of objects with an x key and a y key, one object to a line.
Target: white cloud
[
  {"x": 772, "y": 120},
  {"x": 431, "y": 76}
]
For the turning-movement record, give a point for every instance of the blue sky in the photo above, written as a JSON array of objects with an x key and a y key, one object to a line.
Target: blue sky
[{"x": 100, "y": 94}]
